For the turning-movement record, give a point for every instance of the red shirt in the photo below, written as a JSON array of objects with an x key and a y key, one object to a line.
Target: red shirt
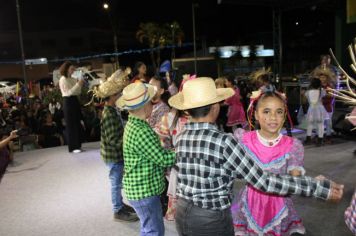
[{"x": 328, "y": 101}]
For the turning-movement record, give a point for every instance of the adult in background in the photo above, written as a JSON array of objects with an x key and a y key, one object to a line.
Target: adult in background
[
  {"x": 5, "y": 151},
  {"x": 139, "y": 73},
  {"x": 70, "y": 89}
]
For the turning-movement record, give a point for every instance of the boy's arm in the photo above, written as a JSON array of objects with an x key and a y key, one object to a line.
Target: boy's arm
[
  {"x": 150, "y": 146},
  {"x": 242, "y": 166}
]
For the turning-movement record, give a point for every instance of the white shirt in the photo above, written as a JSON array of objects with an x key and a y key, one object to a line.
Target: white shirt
[{"x": 69, "y": 86}]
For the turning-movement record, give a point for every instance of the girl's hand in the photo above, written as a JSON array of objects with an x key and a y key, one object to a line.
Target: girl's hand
[{"x": 295, "y": 172}]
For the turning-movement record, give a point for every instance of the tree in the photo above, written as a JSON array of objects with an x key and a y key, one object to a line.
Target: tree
[
  {"x": 157, "y": 36},
  {"x": 177, "y": 36}
]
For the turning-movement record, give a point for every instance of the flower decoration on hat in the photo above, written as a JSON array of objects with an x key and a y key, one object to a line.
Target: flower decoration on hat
[{"x": 186, "y": 77}]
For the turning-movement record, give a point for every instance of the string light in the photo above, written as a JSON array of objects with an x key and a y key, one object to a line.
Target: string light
[{"x": 127, "y": 52}]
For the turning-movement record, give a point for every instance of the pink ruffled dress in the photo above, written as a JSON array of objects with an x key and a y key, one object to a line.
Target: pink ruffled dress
[
  {"x": 236, "y": 114},
  {"x": 258, "y": 213}
]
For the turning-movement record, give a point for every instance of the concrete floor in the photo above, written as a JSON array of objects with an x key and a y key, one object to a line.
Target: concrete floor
[{"x": 53, "y": 192}]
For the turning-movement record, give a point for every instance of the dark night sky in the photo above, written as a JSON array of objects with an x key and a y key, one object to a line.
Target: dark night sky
[
  {"x": 39, "y": 15},
  {"x": 226, "y": 22}
]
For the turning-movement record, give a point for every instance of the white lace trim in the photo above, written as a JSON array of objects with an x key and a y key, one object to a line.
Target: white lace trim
[
  {"x": 275, "y": 164},
  {"x": 252, "y": 224},
  {"x": 255, "y": 228},
  {"x": 266, "y": 142}
]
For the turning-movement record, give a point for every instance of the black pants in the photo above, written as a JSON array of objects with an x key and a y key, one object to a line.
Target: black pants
[
  {"x": 195, "y": 221},
  {"x": 4, "y": 162},
  {"x": 72, "y": 117}
]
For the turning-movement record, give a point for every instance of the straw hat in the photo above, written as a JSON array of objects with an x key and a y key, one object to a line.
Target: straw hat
[
  {"x": 136, "y": 95},
  {"x": 331, "y": 76},
  {"x": 113, "y": 85},
  {"x": 254, "y": 76},
  {"x": 199, "y": 92}
]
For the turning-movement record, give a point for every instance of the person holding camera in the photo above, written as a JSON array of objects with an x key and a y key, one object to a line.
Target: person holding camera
[
  {"x": 70, "y": 89},
  {"x": 5, "y": 152}
]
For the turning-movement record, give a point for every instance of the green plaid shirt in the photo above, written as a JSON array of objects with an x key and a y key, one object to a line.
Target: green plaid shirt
[
  {"x": 112, "y": 129},
  {"x": 145, "y": 160}
]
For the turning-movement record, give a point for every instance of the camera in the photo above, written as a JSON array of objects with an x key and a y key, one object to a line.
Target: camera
[{"x": 22, "y": 132}]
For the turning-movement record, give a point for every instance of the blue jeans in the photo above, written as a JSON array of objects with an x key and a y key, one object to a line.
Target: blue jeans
[
  {"x": 116, "y": 172},
  {"x": 149, "y": 210}
]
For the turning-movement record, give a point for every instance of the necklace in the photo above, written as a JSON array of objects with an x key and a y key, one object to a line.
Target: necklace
[{"x": 269, "y": 142}]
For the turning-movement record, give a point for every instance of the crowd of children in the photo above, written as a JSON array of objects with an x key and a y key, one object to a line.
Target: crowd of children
[{"x": 170, "y": 134}]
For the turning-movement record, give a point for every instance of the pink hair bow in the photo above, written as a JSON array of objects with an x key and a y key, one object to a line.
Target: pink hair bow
[{"x": 186, "y": 78}]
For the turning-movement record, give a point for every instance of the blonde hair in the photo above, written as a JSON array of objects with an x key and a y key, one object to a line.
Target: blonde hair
[{"x": 220, "y": 82}]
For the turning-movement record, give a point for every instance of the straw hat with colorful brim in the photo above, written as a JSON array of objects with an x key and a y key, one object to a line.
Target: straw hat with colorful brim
[
  {"x": 136, "y": 95},
  {"x": 199, "y": 92}
]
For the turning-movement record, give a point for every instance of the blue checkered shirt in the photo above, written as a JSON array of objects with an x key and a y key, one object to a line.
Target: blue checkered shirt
[{"x": 209, "y": 160}]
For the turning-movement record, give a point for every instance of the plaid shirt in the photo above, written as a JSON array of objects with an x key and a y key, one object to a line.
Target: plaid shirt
[
  {"x": 145, "y": 160},
  {"x": 112, "y": 129},
  {"x": 350, "y": 215},
  {"x": 210, "y": 160}
]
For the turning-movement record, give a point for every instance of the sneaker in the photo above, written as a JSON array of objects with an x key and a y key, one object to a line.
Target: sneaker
[
  {"x": 328, "y": 140},
  {"x": 308, "y": 141},
  {"x": 128, "y": 209},
  {"x": 123, "y": 215},
  {"x": 319, "y": 142},
  {"x": 77, "y": 151}
]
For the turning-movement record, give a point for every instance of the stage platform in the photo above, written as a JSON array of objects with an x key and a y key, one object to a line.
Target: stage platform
[{"x": 51, "y": 192}]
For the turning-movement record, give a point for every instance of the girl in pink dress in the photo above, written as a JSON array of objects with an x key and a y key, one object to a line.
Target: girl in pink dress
[
  {"x": 255, "y": 212},
  {"x": 170, "y": 127},
  {"x": 236, "y": 114}
]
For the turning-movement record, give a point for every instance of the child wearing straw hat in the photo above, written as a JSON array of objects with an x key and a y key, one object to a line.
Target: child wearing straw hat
[
  {"x": 145, "y": 158},
  {"x": 209, "y": 160},
  {"x": 112, "y": 129}
]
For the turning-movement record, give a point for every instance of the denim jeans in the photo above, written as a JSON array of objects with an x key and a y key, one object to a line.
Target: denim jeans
[
  {"x": 116, "y": 171},
  {"x": 195, "y": 221},
  {"x": 149, "y": 210}
]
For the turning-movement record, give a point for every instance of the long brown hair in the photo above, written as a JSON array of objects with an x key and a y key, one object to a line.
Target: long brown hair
[{"x": 63, "y": 70}]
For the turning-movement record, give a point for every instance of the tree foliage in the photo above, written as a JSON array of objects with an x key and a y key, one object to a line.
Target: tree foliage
[{"x": 157, "y": 36}]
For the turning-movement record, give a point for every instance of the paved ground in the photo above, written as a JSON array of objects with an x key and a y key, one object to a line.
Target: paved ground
[{"x": 52, "y": 192}]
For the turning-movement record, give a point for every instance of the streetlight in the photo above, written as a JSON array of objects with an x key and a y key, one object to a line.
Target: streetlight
[
  {"x": 106, "y": 7},
  {"x": 173, "y": 55},
  {"x": 194, "y": 5},
  {"x": 21, "y": 43}
]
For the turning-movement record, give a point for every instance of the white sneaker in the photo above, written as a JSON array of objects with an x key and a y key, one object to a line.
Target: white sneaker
[{"x": 77, "y": 151}]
